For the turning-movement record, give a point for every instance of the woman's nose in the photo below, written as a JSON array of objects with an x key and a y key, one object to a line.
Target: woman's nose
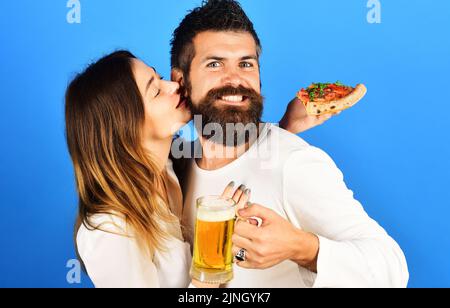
[{"x": 171, "y": 87}]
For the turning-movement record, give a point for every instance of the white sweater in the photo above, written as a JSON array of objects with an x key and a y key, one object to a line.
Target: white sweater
[
  {"x": 302, "y": 184},
  {"x": 114, "y": 260}
]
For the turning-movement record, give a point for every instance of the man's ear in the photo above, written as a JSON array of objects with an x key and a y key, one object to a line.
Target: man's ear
[{"x": 178, "y": 76}]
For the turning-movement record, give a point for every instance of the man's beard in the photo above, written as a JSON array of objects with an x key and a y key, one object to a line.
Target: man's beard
[{"x": 243, "y": 122}]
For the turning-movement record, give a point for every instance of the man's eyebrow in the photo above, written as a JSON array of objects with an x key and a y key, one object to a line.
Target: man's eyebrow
[
  {"x": 249, "y": 58},
  {"x": 216, "y": 58}
]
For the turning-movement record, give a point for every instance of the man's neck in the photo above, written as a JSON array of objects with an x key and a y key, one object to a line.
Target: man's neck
[{"x": 216, "y": 156}]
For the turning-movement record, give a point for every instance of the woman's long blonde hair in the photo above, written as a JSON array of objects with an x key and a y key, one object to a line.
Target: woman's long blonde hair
[{"x": 114, "y": 174}]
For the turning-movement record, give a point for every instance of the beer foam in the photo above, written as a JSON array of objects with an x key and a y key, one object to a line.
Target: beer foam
[{"x": 215, "y": 215}]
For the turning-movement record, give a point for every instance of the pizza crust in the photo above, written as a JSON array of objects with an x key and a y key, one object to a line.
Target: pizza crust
[{"x": 320, "y": 108}]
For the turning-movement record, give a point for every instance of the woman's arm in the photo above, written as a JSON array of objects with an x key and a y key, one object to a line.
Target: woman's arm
[
  {"x": 115, "y": 261},
  {"x": 297, "y": 121}
]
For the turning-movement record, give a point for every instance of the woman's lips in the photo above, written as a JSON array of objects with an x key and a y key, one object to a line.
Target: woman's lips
[{"x": 182, "y": 103}]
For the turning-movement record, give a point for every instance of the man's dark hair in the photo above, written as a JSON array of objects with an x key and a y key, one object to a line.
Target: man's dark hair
[{"x": 212, "y": 15}]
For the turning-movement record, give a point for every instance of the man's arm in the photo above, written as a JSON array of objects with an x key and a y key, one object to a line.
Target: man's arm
[
  {"x": 354, "y": 250},
  {"x": 337, "y": 239}
]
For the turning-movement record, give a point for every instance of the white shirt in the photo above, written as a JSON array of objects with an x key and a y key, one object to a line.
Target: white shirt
[
  {"x": 302, "y": 184},
  {"x": 114, "y": 260}
]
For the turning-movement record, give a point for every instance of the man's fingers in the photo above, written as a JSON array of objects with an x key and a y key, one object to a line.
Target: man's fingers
[
  {"x": 323, "y": 118},
  {"x": 256, "y": 210},
  {"x": 241, "y": 241},
  {"x": 245, "y": 229},
  {"x": 235, "y": 251},
  {"x": 245, "y": 264}
]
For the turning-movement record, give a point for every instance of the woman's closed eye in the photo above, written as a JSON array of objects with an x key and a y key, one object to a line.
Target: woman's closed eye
[{"x": 159, "y": 90}]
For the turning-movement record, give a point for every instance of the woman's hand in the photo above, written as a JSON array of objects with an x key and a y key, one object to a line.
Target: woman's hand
[
  {"x": 241, "y": 195},
  {"x": 296, "y": 120},
  {"x": 242, "y": 198}
]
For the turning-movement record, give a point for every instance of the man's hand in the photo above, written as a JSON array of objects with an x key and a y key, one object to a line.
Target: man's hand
[
  {"x": 296, "y": 120},
  {"x": 275, "y": 241}
]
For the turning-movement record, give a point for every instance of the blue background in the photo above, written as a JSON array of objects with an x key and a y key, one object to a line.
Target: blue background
[{"x": 393, "y": 147}]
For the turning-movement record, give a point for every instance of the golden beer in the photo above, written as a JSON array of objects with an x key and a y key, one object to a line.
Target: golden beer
[{"x": 213, "y": 258}]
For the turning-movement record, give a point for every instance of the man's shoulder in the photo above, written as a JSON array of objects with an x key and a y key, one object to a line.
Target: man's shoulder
[
  {"x": 287, "y": 140},
  {"x": 282, "y": 144},
  {"x": 287, "y": 149}
]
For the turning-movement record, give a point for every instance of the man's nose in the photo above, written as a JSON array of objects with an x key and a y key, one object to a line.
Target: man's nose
[{"x": 232, "y": 77}]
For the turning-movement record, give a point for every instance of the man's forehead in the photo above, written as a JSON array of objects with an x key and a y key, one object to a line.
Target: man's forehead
[{"x": 224, "y": 44}]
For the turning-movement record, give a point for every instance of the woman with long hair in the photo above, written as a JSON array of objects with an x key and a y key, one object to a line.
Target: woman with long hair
[{"x": 120, "y": 121}]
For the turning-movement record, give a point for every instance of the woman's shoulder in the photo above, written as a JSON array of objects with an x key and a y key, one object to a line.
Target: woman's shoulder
[
  {"x": 104, "y": 236},
  {"x": 101, "y": 227},
  {"x": 106, "y": 222}
]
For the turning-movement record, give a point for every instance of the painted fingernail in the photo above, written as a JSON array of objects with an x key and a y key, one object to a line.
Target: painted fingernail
[
  {"x": 231, "y": 184},
  {"x": 242, "y": 187},
  {"x": 247, "y": 192}
]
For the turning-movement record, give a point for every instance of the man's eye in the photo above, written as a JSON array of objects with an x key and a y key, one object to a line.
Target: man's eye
[
  {"x": 246, "y": 64},
  {"x": 214, "y": 64},
  {"x": 157, "y": 94}
]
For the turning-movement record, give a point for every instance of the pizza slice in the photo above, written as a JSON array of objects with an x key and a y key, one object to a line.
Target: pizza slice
[{"x": 324, "y": 98}]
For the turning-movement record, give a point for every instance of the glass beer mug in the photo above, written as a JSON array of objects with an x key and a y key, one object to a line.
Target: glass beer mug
[{"x": 213, "y": 258}]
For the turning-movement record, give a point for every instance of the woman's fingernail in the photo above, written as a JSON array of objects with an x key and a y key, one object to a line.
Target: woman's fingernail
[
  {"x": 231, "y": 184},
  {"x": 247, "y": 192},
  {"x": 242, "y": 187}
]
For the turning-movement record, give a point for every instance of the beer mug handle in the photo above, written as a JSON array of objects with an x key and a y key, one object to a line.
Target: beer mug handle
[{"x": 259, "y": 220}]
